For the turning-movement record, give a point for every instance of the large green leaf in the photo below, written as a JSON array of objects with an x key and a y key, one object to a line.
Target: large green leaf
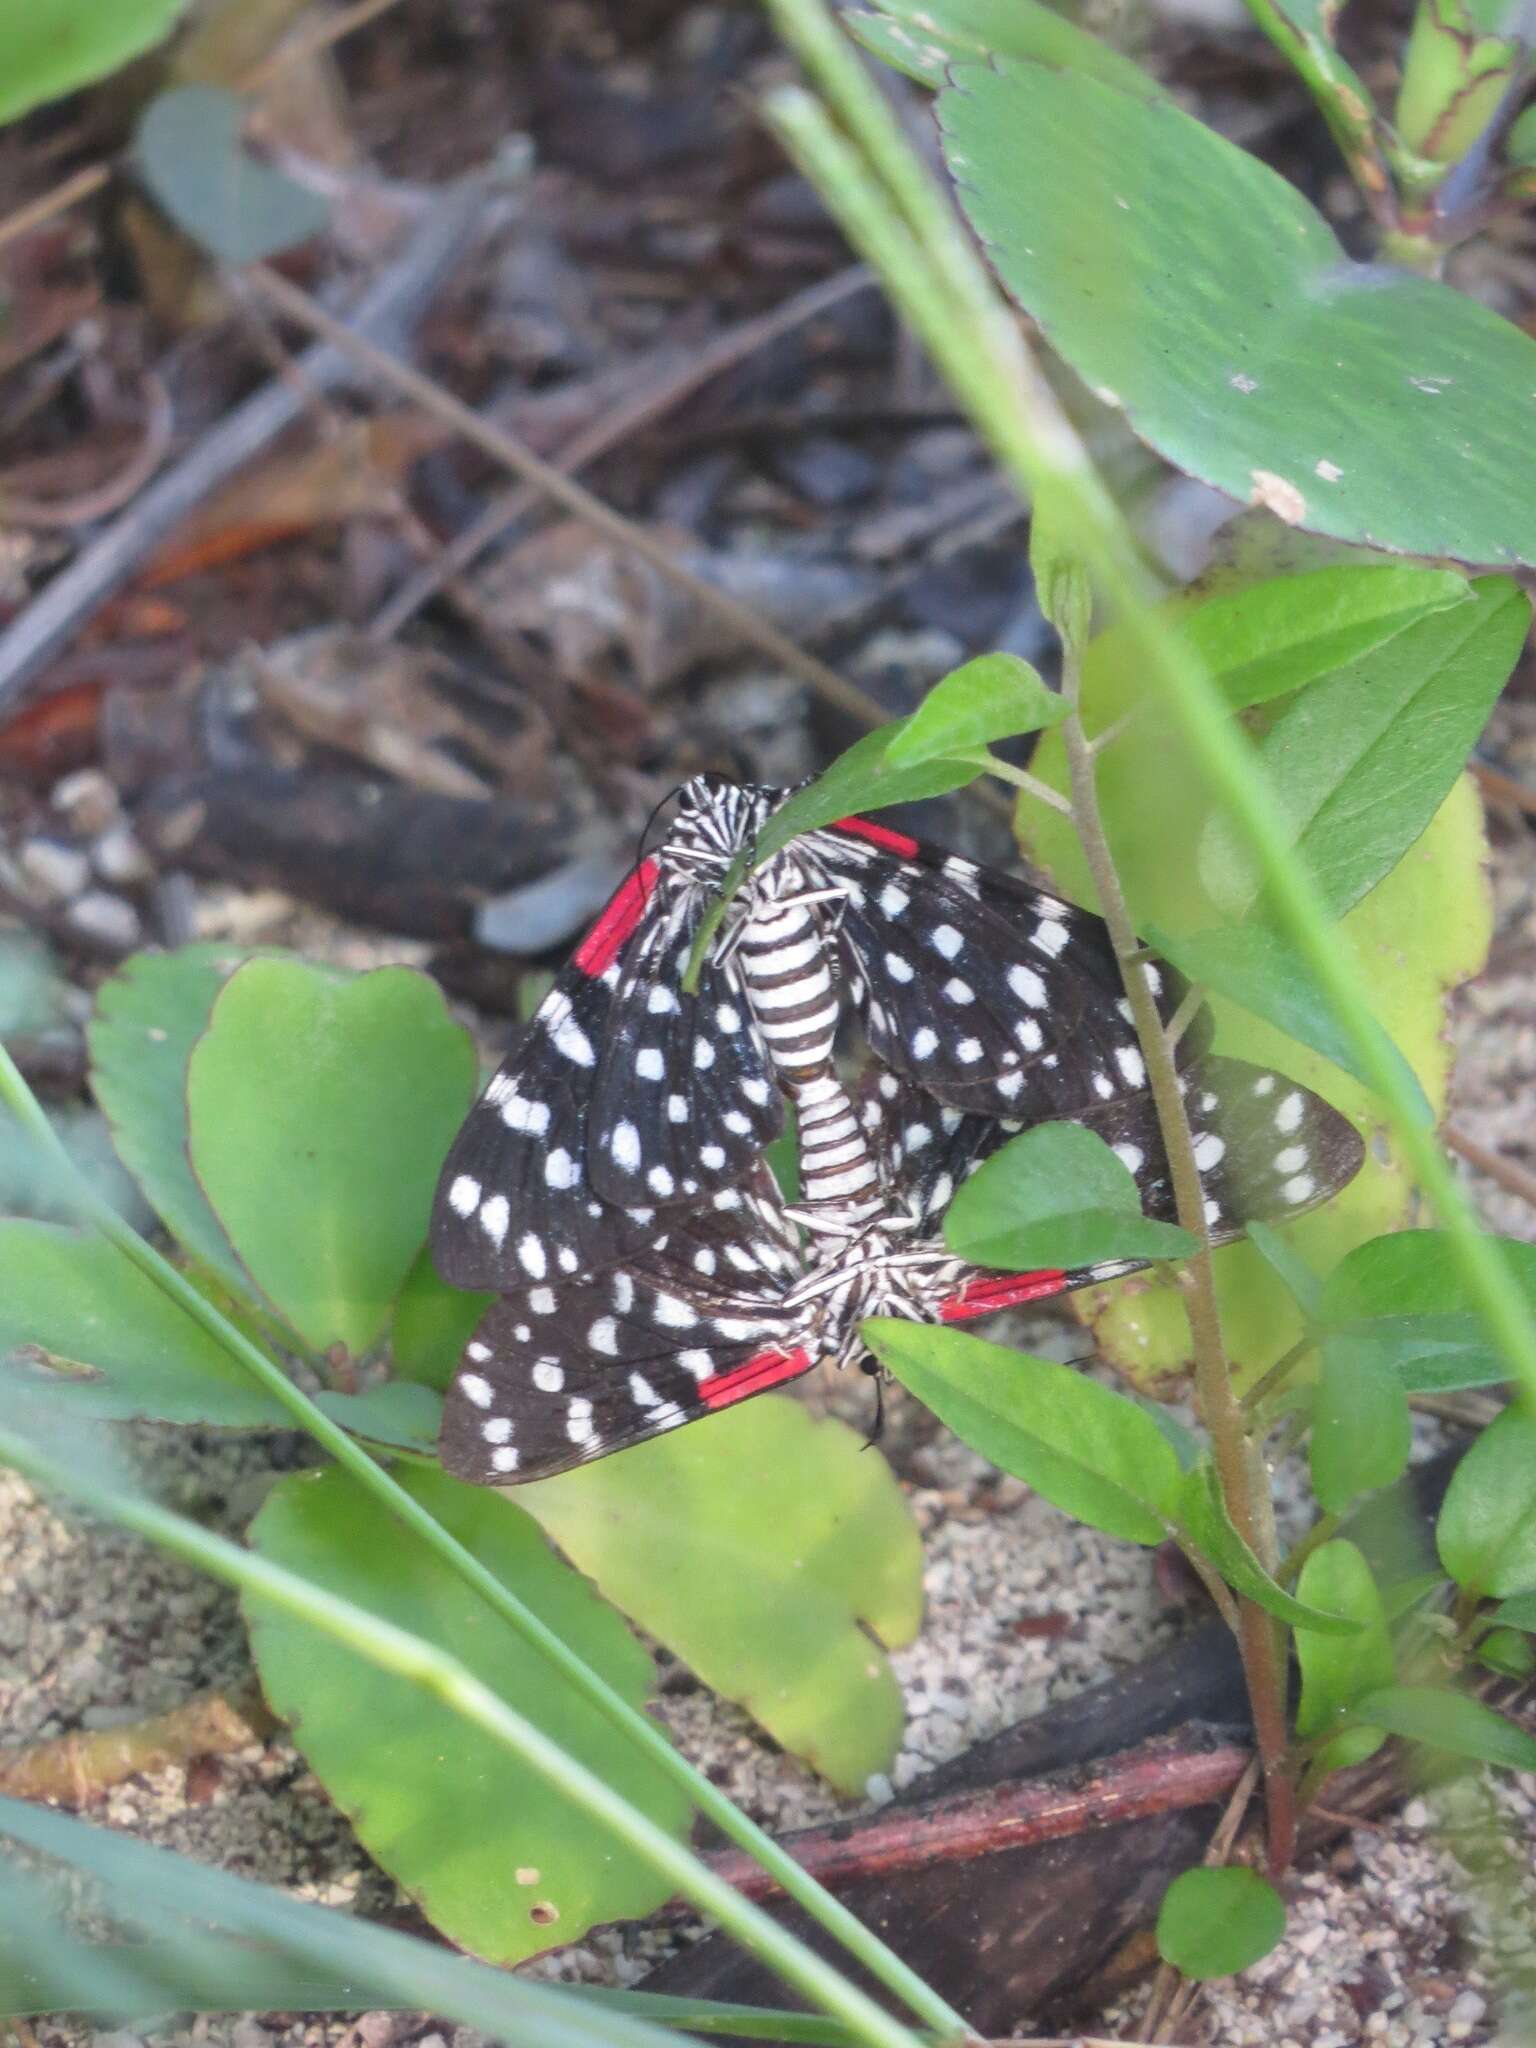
[
  {"x": 1090, "y": 1451},
  {"x": 148, "y": 1017},
  {"x": 924, "y": 37},
  {"x": 500, "y": 1862},
  {"x": 51, "y": 47},
  {"x": 1415, "y": 1272},
  {"x": 1361, "y": 761},
  {"x": 1487, "y": 1528},
  {"x": 108, "y": 1343},
  {"x": 432, "y": 1324},
  {"x": 811, "y": 1552},
  {"x": 1335, "y": 1670},
  {"x": 1056, "y": 1196},
  {"x": 1191, "y": 285},
  {"x": 320, "y": 1107}
]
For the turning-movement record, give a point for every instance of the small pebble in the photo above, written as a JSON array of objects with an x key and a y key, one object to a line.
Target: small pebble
[
  {"x": 59, "y": 871},
  {"x": 118, "y": 857},
  {"x": 87, "y": 799},
  {"x": 107, "y": 920}
]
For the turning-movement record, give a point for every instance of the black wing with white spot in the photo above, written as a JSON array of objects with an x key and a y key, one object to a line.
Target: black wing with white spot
[
  {"x": 684, "y": 1100},
  {"x": 558, "y": 1375},
  {"x": 1267, "y": 1149},
  {"x": 993, "y": 996},
  {"x": 514, "y": 1202}
]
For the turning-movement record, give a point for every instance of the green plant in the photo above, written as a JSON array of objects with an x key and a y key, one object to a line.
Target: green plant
[{"x": 1304, "y": 824}]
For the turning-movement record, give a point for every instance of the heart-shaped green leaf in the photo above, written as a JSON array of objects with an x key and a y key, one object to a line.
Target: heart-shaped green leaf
[
  {"x": 1189, "y": 284},
  {"x": 107, "y": 1342},
  {"x": 1361, "y": 1429},
  {"x": 1213, "y": 1923},
  {"x": 811, "y": 1552},
  {"x": 194, "y": 162},
  {"x": 1487, "y": 1528},
  {"x": 1091, "y": 1452},
  {"x": 994, "y": 697},
  {"x": 1335, "y": 1670},
  {"x": 1361, "y": 761},
  {"x": 320, "y": 1108},
  {"x": 148, "y": 1017},
  {"x": 501, "y": 1863},
  {"x": 51, "y": 47},
  {"x": 924, "y": 37},
  {"x": 1053, "y": 1197}
]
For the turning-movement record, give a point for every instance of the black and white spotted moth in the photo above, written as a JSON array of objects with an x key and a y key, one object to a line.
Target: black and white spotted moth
[{"x": 609, "y": 1185}]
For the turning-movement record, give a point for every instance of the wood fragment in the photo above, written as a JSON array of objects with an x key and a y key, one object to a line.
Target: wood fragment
[{"x": 73, "y": 1770}]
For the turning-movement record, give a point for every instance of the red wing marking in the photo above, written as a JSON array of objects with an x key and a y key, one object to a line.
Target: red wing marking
[
  {"x": 768, "y": 1369},
  {"x": 602, "y": 945},
  {"x": 1007, "y": 1290},
  {"x": 879, "y": 835}
]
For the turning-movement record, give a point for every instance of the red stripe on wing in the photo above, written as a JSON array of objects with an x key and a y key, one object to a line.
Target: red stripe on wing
[
  {"x": 601, "y": 947},
  {"x": 767, "y": 1369},
  {"x": 879, "y": 835},
  {"x": 1006, "y": 1290}
]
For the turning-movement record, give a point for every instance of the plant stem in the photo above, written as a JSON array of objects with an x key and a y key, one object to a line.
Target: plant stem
[
  {"x": 1021, "y": 779},
  {"x": 1271, "y": 1381},
  {"x": 1257, "y": 1635},
  {"x": 828, "y": 1912},
  {"x": 421, "y": 1663},
  {"x": 1343, "y": 100},
  {"x": 1322, "y": 1531}
]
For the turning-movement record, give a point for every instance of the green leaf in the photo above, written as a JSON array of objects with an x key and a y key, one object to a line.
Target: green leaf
[
  {"x": 865, "y": 778},
  {"x": 1091, "y": 1452},
  {"x": 1453, "y": 77},
  {"x": 1270, "y": 638},
  {"x": 1213, "y": 1923},
  {"x": 1201, "y": 1511},
  {"x": 1263, "y": 972},
  {"x": 994, "y": 697},
  {"x": 1361, "y": 1429},
  {"x": 1414, "y": 1273},
  {"x": 1293, "y": 1273},
  {"x": 214, "y": 1942},
  {"x": 1056, "y": 1196},
  {"x": 1361, "y": 761},
  {"x": 51, "y": 47},
  {"x": 1429, "y": 1354},
  {"x": 108, "y": 1344},
  {"x": 923, "y": 39},
  {"x": 432, "y": 1324},
  {"x": 1487, "y": 1528},
  {"x": 148, "y": 1017},
  {"x": 320, "y": 1108},
  {"x": 1507, "y": 1650},
  {"x": 1335, "y": 1670},
  {"x": 234, "y": 206},
  {"x": 32, "y": 985},
  {"x": 1518, "y": 1612},
  {"x": 501, "y": 1862},
  {"x": 812, "y": 1553},
  {"x": 1194, "y": 287},
  {"x": 1450, "y": 1721},
  {"x": 397, "y": 1416}
]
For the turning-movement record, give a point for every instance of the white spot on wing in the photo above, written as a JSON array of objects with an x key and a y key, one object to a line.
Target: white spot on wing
[
  {"x": 475, "y": 1389},
  {"x": 495, "y": 1215},
  {"x": 464, "y": 1195}
]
